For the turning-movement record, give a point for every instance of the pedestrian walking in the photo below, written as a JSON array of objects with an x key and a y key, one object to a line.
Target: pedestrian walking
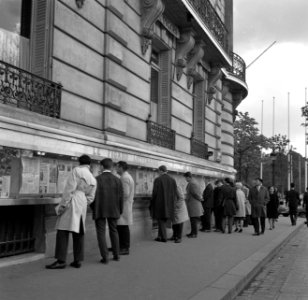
[
  {"x": 207, "y": 204},
  {"x": 272, "y": 207},
  {"x": 241, "y": 208},
  {"x": 162, "y": 202},
  {"x": 126, "y": 218},
  {"x": 193, "y": 202},
  {"x": 107, "y": 207},
  {"x": 79, "y": 192},
  {"x": 292, "y": 199},
  {"x": 229, "y": 204},
  {"x": 258, "y": 198}
]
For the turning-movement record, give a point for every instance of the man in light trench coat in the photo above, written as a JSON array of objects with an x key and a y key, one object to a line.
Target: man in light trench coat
[
  {"x": 126, "y": 218},
  {"x": 78, "y": 193}
]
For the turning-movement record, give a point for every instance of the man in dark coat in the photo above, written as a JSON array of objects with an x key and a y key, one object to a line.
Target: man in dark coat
[
  {"x": 258, "y": 198},
  {"x": 292, "y": 198},
  {"x": 107, "y": 206},
  {"x": 208, "y": 203},
  {"x": 218, "y": 208},
  {"x": 162, "y": 202}
]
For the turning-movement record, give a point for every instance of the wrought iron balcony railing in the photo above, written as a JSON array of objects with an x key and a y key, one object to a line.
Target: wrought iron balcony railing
[
  {"x": 27, "y": 91},
  {"x": 199, "y": 148},
  {"x": 160, "y": 135},
  {"x": 238, "y": 67},
  {"x": 211, "y": 20}
]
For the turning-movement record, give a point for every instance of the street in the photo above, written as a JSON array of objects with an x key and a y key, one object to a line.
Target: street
[{"x": 286, "y": 276}]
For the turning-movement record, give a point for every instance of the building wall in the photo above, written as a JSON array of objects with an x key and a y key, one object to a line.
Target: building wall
[
  {"x": 105, "y": 104},
  {"x": 227, "y": 138}
]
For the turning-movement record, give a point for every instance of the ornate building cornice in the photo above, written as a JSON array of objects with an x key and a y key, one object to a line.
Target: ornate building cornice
[
  {"x": 214, "y": 76},
  {"x": 197, "y": 54},
  {"x": 184, "y": 45},
  {"x": 151, "y": 11}
]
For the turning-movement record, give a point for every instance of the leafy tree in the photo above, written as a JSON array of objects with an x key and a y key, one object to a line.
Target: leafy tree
[
  {"x": 248, "y": 145},
  {"x": 279, "y": 143}
]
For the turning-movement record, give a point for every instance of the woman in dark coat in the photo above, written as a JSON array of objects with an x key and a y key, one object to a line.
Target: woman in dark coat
[
  {"x": 229, "y": 204},
  {"x": 272, "y": 207}
]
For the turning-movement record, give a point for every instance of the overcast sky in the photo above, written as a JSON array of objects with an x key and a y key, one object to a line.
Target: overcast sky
[
  {"x": 282, "y": 69},
  {"x": 9, "y": 14}
]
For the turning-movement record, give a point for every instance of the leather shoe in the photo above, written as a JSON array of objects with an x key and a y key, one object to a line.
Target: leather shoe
[
  {"x": 75, "y": 264},
  {"x": 177, "y": 241},
  {"x": 191, "y": 235},
  {"x": 56, "y": 265},
  {"x": 255, "y": 234},
  {"x": 104, "y": 260},
  {"x": 124, "y": 252},
  {"x": 159, "y": 239},
  {"x": 116, "y": 258}
]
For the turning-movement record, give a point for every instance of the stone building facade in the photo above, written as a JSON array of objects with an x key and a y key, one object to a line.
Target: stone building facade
[{"x": 150, "y": 82}]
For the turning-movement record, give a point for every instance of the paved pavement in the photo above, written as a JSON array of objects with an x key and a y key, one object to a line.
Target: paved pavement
[
  {"x": 286, "y": 276},
  {"x": 213, "y": 266}
]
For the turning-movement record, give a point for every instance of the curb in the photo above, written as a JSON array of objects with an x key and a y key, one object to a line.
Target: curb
[
  {"x": 231, "y": 284},
  {"x": 21, "y": 259}
]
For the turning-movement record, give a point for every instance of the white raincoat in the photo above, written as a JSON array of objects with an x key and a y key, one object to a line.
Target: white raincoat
[
  {"x": 128, "y": 198},
  {"x": 79, "y": 192}
]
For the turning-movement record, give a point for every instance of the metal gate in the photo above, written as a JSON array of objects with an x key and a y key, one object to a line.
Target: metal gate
[{"x": 16, "y": 230}]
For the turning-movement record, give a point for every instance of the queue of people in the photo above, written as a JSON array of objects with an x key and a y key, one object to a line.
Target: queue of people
[{"x": 111, "y": 194}]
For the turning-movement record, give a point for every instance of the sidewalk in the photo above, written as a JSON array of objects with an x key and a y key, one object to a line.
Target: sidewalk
[
  {"x": 285, "y": 276},
  {"x": 213, "y": 266}
]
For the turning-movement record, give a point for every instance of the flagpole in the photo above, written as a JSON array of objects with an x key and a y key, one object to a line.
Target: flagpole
[
  {"x": 289, "y": 153},
  {"x": 305, "y": 142},
  {"x": 261, "y": 164}
]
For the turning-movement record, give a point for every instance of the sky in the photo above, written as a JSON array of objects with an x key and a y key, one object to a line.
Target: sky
[
  {"x": 10, "y": 14},
  {"x": 280, "y": 70}
]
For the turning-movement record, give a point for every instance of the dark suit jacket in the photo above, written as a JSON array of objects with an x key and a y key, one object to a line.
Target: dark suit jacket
[
  {"x": 217, "y": 195},
  {"x": 228, "y": 200},
  {"x": 258, "y": 201},
  {"x": 163, "y": 197},
  {"x": 292, "y": 197},
  {"x": 208, "y": 197},
  {"x": 108, "y": 202}
]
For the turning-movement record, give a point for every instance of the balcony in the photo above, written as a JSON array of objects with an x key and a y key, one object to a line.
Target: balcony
[
  {"x": 238, "y": 68},
  {"x": 160, "y": 135},
  {"x": 211, "y": 20},
  {"x": 199, "y": 148},
  {"x": 24, "y": 90}
]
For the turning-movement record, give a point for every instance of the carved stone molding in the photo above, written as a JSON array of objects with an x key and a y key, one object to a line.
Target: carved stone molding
[
  {"x": 80, "y": 3},
  {"x": 214, "y": 76},
  {"x": 196, "y": 56},
  {"x": 225, "y": 90},
  {"x": 184, "y": 45},
  {"x": 237, "y": 99},
  {"x": 151, "y": 11},
  {"x": 235, "y": 114}
]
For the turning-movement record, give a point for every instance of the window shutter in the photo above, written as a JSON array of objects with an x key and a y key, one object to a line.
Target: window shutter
[
  {"x": 41, "y": 37},
  {"x": 154, "y": 85},
  {"x": 199, "y": 98},
  {"x": 165, "y": 84}
]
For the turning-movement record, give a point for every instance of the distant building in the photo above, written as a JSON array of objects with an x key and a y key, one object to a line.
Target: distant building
[{"x": 148, "y": 82}]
